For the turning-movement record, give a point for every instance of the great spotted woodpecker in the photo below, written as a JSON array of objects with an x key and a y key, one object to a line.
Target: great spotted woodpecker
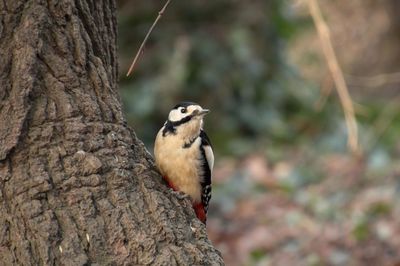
[{"x": 184, "y": 155}]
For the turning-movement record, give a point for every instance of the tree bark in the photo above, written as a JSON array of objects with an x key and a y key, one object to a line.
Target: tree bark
[{"x": 77, "y": 186}]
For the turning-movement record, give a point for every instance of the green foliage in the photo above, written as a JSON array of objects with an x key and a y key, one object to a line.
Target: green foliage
[
  {"x": 361, "y": 231},
  {"x": 258, "y": 255},
  {"x": 226, "y": 55},
  {"x": 379, "y": 209}
]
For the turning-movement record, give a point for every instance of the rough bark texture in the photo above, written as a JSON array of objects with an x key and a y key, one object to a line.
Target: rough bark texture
[{"x": 77, "y": 186}]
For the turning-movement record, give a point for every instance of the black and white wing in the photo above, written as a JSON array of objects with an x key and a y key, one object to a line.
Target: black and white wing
[{"x": 207, "y": 166}]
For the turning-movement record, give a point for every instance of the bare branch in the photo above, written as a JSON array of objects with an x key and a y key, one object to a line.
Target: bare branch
[{"x": 140, "y": 51}]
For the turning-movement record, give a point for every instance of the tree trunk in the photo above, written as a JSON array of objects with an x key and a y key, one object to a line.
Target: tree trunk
[{"x": 77, "y": 186}]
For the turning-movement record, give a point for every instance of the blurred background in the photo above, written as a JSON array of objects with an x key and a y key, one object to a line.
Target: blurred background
[{"x": 287, "y": 190}]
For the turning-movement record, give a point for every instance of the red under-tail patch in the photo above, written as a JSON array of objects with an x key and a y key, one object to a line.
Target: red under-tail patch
[
  {"x": 200, "y": 212},
  {"x": 169, "y": 182}
]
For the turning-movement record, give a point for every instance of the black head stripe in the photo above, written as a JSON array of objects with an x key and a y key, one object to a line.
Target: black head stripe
[{"x": 170, "y": 126}]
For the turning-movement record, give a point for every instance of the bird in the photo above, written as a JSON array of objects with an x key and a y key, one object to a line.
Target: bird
[{"x": 184, "y": 155}]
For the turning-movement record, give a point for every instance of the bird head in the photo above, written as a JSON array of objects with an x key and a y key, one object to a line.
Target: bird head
[
  {"x": 187, "y": 111},
  {"x": 186, "y": 119}
]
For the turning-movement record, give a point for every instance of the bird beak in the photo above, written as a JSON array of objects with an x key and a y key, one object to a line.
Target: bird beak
[{"x": 203, "y": 112}]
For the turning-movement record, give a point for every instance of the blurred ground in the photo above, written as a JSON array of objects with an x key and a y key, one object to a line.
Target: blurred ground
[
  {"x": 341, "y": 216},
  {"x": 286, "y": 189}
]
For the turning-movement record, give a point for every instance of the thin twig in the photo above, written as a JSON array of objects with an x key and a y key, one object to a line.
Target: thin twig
[
  {"x": 337, "y": 75},
  {"x": 140, "y": 51}
]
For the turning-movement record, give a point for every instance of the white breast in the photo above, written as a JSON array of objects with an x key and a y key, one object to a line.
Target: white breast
[{"x": 180, "y": 165}]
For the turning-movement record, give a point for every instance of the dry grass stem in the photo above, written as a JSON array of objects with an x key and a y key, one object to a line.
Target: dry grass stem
[{"x": 337, "y": 75}]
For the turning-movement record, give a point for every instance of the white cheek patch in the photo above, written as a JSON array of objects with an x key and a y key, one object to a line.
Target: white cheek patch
[
  {"x": 175, "y": 115},
  {"x": 209, "y": 156}
]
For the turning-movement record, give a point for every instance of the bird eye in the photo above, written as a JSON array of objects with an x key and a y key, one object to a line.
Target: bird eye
[{"x": 183, "y": 110}]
